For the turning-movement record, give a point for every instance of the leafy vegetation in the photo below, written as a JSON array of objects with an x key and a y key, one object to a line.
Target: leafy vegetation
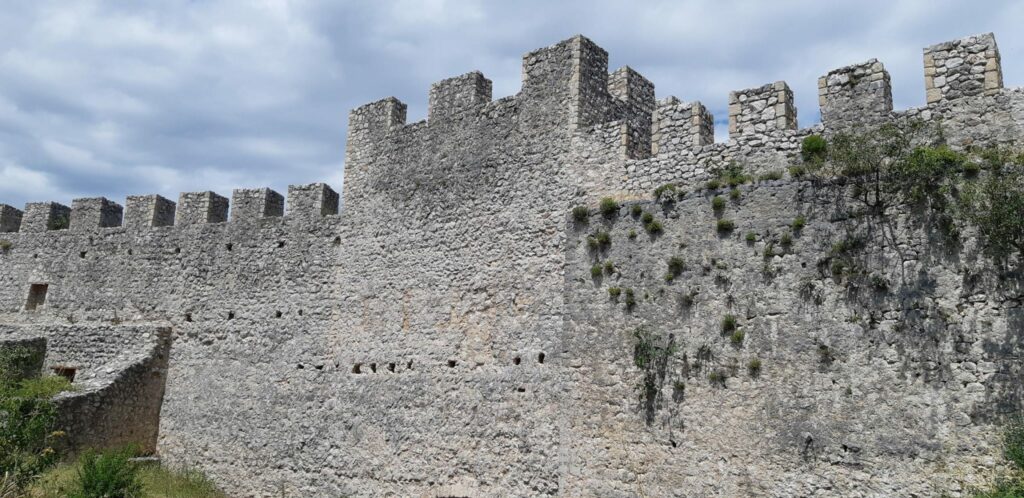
[
  {"x": 771, "y": 175},
  {"x": 729, "y": 323},
  {"x": 609, "y": 267},
  {"x": 630, "y": 299},
  {"x": 754, "y": 367},
  {"x": 613, "y": 292},
  {"x": 737, "y": 337},
  {"x": 1011, "y": 486},
  {"x": 813, "y": 148},
  {"x": 717, "y": 203},
  {"x": 596, "y": 271},
  {"x": 676, "y": 266},
  {"x": 609, "y": 207},
  {"x": 58, "y": 222},
  {"x": 651, "y": 354},
  {"x": 734, "y": 194},
  {"x": 751, "y": 237},
  {"x": 725, "y": 225},
  {"x": 580, "y": 214},
  {"x": 28, "y": 434},
  {"x": 155, "y": 482},
  {"x": 666, "y": 191},
  {"x": 798, "y": 223},
  {"x": 5, "y": 245}
]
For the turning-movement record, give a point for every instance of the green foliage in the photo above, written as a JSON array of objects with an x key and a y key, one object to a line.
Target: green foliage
[
  {"x": 797, "y": 171},
  {"x": 751, "y": 237},
  {"x": 651, "y": 354},
  {"x": 609, "y": 267},
  {"x": 654, "y": 227},
  {"x": 632, "y": 234},
  {"x": 27, "y": 435},
  {"x": 580, "y": 214},
  {"x": 613, "y": 292},
  {"x": 718, "y": 377},
  {"x": 769, "y": 250},
  {"x": 737, "y": 337},
  {"x": 1013, "y": 442},
  {"x": 717, "y": 203},
  {"x": 725, "y": 225},
  {"x": 630, "y": 299},
  {"x": 595, "y": 271},
  {"x": 603, "y": 239},
  {"x": 646, "y": 218},
  {"x": 799, "y": 223},
  {"x": 729, "y": 323},
  {"x": 110, "y": 474},
  {"x": 921, "y": 175},
  {"x": 771, "y": 175},
  {"x": 59, "y": 222},
  {"x": 731, "y": 174},
  {"x": 609, "y": 207},
  {"x": 734, "y": 194},
  {"x": 813, "y": 149},
  {"x": 636, "y": 210},
  {"x": 786, "y": 240},
  {"x": 754, "y": 367},
  {"x": 676, "y": 266},
  {"x": 157, "y": 482},
  {"x": 5, "y": 245},
  {"x": 714, "y": 184},
  {"x": 995, "y": 205},
  {"x": 668, "y": 191}
]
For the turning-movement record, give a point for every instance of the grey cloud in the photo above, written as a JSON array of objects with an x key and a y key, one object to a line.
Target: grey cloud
[{"x": 119, "y": 98}]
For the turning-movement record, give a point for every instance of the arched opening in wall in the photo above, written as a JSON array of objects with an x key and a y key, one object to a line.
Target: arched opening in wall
[
  {"x": 391, "y": 367},
  {"x": 36, "y": 296},
  {"x": 540, "y": 358},
  {"x": 66, "y": 372}
]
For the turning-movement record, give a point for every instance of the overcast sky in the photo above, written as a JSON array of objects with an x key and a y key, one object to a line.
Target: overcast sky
[{"x": 136, "y": 97}]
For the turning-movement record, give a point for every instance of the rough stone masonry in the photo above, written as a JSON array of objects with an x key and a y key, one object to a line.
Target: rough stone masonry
[{"x": 444, "y": 333}]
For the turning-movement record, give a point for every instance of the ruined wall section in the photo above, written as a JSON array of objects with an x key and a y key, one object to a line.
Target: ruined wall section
[
  {"x": 118, "y": 372},
  {"x": 966, "y": 100},
  {"x": 886, "y": 384}
]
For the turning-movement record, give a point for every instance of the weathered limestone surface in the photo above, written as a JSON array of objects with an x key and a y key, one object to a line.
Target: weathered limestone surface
[{"x": 440, "y": 334}]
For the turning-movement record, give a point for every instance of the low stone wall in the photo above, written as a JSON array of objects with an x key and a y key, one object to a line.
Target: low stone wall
[{"x": 119, "y": 377}]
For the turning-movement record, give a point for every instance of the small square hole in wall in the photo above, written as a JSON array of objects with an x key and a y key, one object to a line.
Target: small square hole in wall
[
  {"x": 82, "y": 254},
  {"x": 231, "y": 315},
  {"x": 36, "y": 296},
  {"x": 357, "y": 368},
  {"x": 391, "y": 367},
  {"x": 229, "y": 246},
  {"x": 516, "y": 360},
  {"x": 280, "y": 244},
  {"x": 277, "y": 314},
  {"x": 451, "y": 363},
  {"x": 188, "y": 317},
  {"x": 540, "y": 358},
  {"x": 66, "y": 372}
]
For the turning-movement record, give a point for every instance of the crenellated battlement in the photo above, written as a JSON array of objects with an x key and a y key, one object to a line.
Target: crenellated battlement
[{"x": 152, "y": 211}]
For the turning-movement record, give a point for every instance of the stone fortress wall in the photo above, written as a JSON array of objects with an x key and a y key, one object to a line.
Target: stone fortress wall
[{"x": 431, "y": 332}]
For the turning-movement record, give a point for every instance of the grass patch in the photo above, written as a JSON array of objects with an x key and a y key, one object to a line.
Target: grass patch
[
  {"x": 797, "y": 171},
  {"x": 725, "y": 225},
  {"x": 155, "y": 482},
  {"x": 630, "y": 299},
  {"x": 751, "y": 237},
  {"x": 609, "y": 207},
  {"x": 636, "y": 210},
  {"x": 676, "y": 266},
  {"x": 717, "y": 203},
  {"x": 614, "y": 292},
  {"x": 798, "y": 223},
  {"x": 580, "y": 214},
  {"x": 596, "y": 271},
  {"x": 754, "y": 367},
  {"x": 609, "y": 267},
  {"x": 734, "y": 194},
  {"x": 729, "y": 323},
  {"x": 737, "y": 337},
  {"x": 771, "y": 175},
  {"x": 5, "y": 245},
  {"x": 668, "y": 191},
  {"x": 813, "y": 149}
]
